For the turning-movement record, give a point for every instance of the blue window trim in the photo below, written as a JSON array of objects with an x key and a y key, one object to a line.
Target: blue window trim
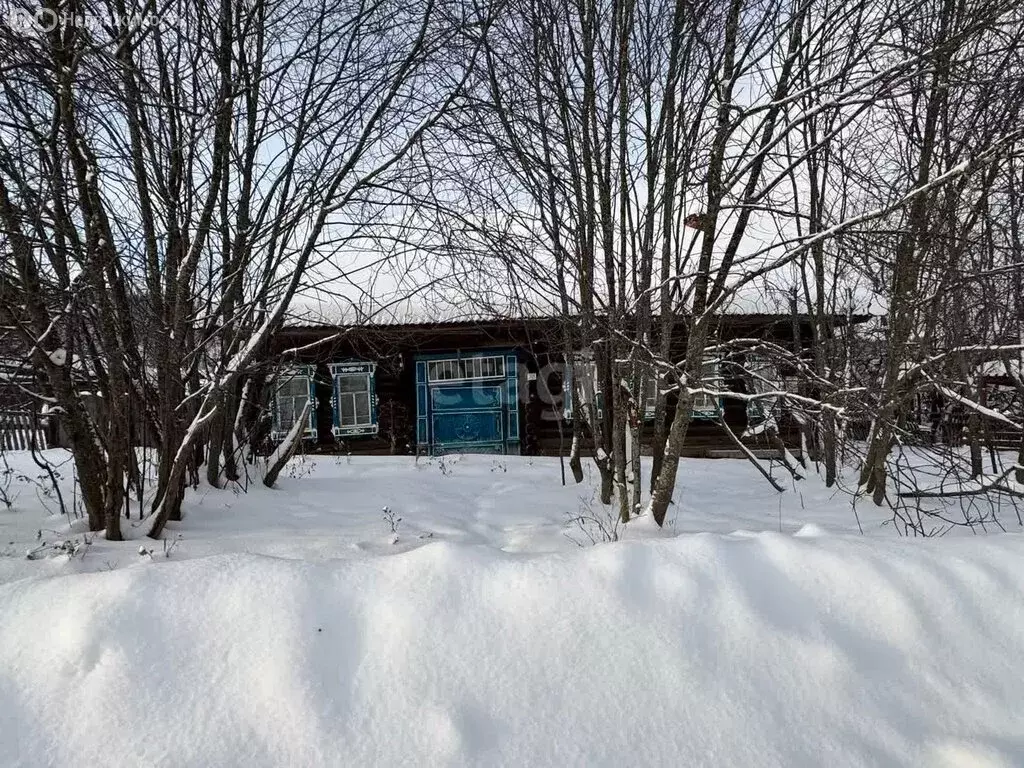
[
  {"x": 344, "y": 368},
  {"x": 510, "y": 443},
  {"x": 308, "y": 372},
  {"x": 421, "y": 403},
  {"x": 512, "y": 406}
]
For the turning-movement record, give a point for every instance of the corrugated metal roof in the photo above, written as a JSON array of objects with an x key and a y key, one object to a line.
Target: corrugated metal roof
[{"x": 757, "y": 318}]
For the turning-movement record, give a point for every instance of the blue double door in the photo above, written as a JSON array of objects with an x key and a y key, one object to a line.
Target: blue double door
[{"x": 467, "y": 402}]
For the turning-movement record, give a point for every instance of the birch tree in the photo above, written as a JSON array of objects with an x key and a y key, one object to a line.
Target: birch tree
[{"x": 181, "y": 178}]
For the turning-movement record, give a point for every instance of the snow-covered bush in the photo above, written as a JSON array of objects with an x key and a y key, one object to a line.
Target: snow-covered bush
[
  {"x": 300, "y": 466},
  {"x": 167, "y": 548},
  {"x": 593, "y": 522},
  {"x": 392, "y": 519},
  {"x": 71, "y": 547}
]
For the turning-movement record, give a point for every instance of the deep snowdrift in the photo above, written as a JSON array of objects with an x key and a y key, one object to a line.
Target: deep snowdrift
[{"x": 705, "y": 649}]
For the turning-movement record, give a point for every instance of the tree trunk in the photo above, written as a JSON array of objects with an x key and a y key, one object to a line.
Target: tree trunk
[
  {"x": 214, "y": 449},
  {"x": 284, "y": 451},
  {"x": 575, "y": 463},
  {"x": 828, "y": 441},
  {"x": 665, "y": 482},
  {"x": 605, "y": 470},
  {"x": 619, "y": 450},
  {"x": 635, "y": 468},
  {"x": 974, "y": 443}
]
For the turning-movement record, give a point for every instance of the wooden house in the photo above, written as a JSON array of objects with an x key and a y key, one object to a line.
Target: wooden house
[{"x": 480, "y": 386}]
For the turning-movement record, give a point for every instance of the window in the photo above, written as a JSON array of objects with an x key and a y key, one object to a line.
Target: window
[
  {"x": 587, "y": 387},
  {"x": 462, "y": 369},
  {"x": 290, "y": 397},
  {"x": 650, "y": 397},
  {"x": 354, "y": 400},
  {"x": 580, "y": 381},
  {"x": 707, "y": 406},
  {"x": 762, "y": 376}
]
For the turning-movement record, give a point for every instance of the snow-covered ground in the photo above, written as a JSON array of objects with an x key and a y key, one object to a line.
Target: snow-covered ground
[
  {"x": 290, "y": 627},
  {"x": 330, "y": 507}
]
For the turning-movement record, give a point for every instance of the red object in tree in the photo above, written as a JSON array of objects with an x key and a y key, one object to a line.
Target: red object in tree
[{"x": 694, "y": 220}]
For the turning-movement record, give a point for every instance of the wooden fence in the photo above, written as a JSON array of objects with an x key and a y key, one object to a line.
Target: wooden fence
[{"x": 18, "y": 432}]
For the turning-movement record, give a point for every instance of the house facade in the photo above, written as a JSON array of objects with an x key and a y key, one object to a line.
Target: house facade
[{"x": 484, "y": 386}]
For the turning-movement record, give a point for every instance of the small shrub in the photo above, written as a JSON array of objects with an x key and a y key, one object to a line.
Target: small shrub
[
  {"x": 446, "y": 462},
  {"x": 6, "y": 478},
  {"x": 392, "y": 520},
  {"x": 167, "y": 548},
  {"x": 76, "y": 547},
  {"x": 595, "y": 522},
  {"x": 300, "y": 466}
]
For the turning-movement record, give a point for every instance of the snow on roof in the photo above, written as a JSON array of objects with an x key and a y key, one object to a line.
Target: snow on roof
[{"x": 306, "y": 313}]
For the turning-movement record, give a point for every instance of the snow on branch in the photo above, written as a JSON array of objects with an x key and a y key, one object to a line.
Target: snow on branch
[
  {"x": 981, "y": 485},
  {"x": 976, "y": 406}
]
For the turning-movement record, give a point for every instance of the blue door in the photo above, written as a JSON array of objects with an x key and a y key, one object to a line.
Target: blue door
[{"x": 467, "y": 403}]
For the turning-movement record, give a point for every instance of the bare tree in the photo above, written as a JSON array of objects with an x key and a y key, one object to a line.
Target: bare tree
[
  {"x": 169, "y": 186},
  {"x": 642, "y": 160}
]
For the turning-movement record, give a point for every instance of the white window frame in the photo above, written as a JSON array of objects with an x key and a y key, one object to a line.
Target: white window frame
[
  {"x": 459, "y": 365},
  {"x": 353, "y": 368},
  {"x": 368, "y": 390},
  {"x": 308, "y": 429}
]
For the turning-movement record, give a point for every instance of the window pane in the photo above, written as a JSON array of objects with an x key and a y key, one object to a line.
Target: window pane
[
  {"x": 348, "y": 414},
  {"x": 466, "y": 368},
  {"x": 442, "y": 370},
  {"x": 285, "y": 413},
  {"x": 296, "y": 385},
  {"x": 651, "y": 397},
  {"x": 289, "y": 409},
  {"x": 362, "y": 403},
  {"x": 359, "y": 383}
]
